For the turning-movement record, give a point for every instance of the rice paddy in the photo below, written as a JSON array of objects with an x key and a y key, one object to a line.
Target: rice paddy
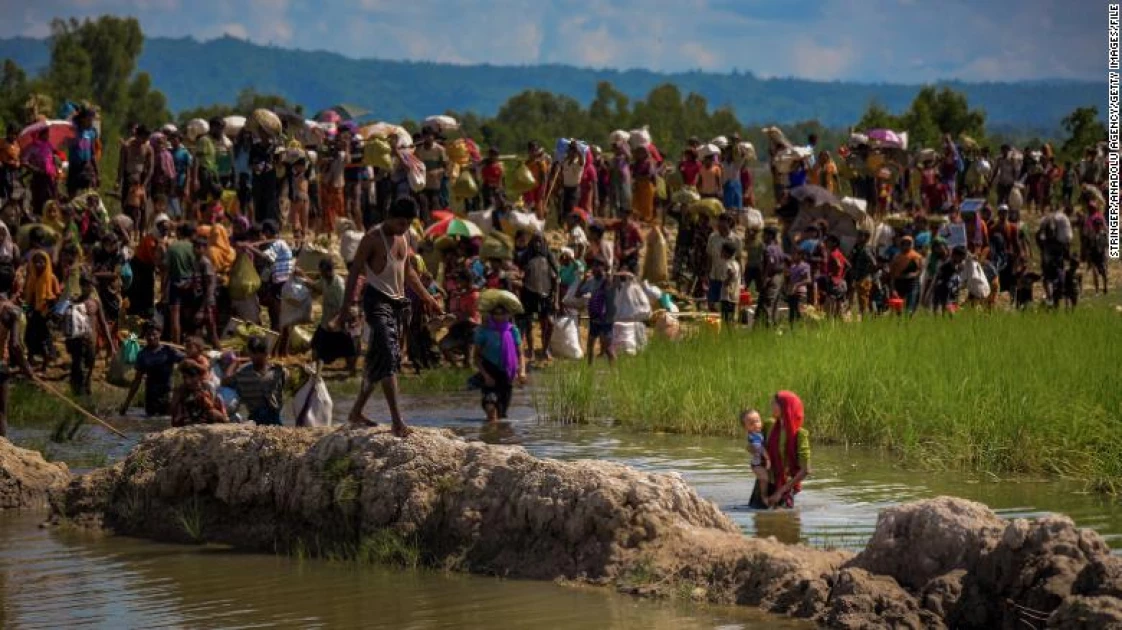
[{"x": 1031, "y": 393}]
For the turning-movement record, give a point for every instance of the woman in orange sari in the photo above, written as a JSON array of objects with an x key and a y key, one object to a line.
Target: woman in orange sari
[
  {"x": 825, "y": 173},
  {"x": 40, "y": 292},
  {"x": 222, "y": 253}
]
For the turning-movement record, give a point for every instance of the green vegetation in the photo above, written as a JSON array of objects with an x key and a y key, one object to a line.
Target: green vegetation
[
  {"x": 195, "y": 74},
  {"x": 1024, "y": 393},
  {"x": 382, "y": 547},
  {"x": 190, "y": 517}
]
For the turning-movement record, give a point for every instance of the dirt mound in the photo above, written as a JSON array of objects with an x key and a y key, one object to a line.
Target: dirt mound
[
  {"x": 435, "y": 499},
  {"x": 494, "y": 509},
  {"x": 862, "y": 600},
  {"x": 919, "y": 541},
  {"x": 1030, "y": 573},
  {"x": 26, "y": 478},
  {"x": 1088, "y": 613}
]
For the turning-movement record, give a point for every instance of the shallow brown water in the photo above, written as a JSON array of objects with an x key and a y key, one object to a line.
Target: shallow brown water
[{"x": 52, "y": 579}]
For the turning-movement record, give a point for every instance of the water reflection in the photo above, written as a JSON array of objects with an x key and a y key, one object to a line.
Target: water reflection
[{"x": 51, "y": 579}]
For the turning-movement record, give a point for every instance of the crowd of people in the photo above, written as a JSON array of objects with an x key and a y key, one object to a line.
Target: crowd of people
[{"x": 246, "y": 225}]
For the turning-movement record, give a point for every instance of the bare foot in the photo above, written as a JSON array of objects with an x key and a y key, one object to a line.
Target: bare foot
[
  {"x": 359, "y": 421},
  {"x": 401, "y": 430}
]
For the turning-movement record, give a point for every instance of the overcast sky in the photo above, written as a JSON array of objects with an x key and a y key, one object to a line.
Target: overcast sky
[{"x": 908, "y": 41}]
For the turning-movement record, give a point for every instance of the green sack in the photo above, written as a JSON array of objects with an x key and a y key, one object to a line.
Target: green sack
[
  {"x": 130, "y": 349},
  {"x": 522, "y": 180},
  {"x": 377, "y": 153},
  {"x": 120, "y": 372},
  {"x": 244, "y": 281},
  {"x": 465, "y": 186}
]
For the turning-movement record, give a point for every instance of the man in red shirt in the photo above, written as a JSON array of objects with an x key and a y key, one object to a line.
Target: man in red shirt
[
  {"x": 629, "y": 242},
  {"x": 689, "y": 167}
]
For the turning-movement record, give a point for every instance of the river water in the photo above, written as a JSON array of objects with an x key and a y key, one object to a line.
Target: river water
[{"x": 52, "y": 578}]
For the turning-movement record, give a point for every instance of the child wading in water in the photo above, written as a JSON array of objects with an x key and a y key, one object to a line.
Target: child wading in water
[
  {"x": 754, "y": 428},
  {"x": 498, "y": 357}
]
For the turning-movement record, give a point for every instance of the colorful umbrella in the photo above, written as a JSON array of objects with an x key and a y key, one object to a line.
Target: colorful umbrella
[
  {"x": 349, "y": 111},
  {"x": 454, "y": 227},
  {"x": 442, "y": 215},
  {"x": 59, "y": 131},
  {"x": 886, "y": 137}
]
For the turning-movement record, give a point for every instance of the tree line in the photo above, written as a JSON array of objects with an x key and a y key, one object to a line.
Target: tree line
[{"x": 96, "y": 61}]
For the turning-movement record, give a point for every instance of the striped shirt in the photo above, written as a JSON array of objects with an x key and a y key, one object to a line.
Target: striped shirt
[
  {"x": 280, "y": 255},
  {"x": 257, "y": 390}
]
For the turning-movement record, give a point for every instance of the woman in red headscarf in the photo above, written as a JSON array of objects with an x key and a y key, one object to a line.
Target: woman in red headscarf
[{"x": 788, "y": 451}]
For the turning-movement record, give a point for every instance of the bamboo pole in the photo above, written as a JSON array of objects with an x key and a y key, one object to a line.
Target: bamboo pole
[{"x": 54, "y": 392}]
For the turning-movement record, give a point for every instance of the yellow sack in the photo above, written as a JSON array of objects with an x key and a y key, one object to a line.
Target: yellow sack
[
  {"x": 687, "y": 196},
  {"x": 457, "y": 151},
  {"x": 244, "y": 281},
  {"x": 710, "y": 206},
  {"x": 465, "y": 186},
  {"x": 660, "y": 188},
  {"x": 655, "y": 259},
  {"x": 523, "y": 180},
  {"x": 229, "y": 201},
  {"x": 377, "y": 154}
]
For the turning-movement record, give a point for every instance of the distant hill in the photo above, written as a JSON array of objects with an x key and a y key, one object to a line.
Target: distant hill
[{"x": 193, "y": 73}]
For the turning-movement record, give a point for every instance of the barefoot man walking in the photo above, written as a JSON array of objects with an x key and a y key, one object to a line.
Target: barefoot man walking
[{"x": 382, "y": 259}]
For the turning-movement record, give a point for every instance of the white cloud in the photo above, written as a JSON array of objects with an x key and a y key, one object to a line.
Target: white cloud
[{"x": 817, "y": 61}]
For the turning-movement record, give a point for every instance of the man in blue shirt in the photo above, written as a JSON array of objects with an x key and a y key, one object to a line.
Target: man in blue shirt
[
  {"x": 82, "y": 173},
  {"x": 182, "y": 158}
]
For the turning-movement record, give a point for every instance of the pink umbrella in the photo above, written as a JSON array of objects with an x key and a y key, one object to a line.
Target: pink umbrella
[
  {"x": 59, "y": 131},
  {"x": 884, "y": 137},
  {"x": 329, "y": 116}
]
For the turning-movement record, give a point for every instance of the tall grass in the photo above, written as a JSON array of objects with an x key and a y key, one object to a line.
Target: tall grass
[{"x": 1033, "y": 393}]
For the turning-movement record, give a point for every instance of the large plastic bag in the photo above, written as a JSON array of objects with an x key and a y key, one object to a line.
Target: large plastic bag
[
  {"x": 629, "y": 337},
  {"x": 377, "y": 153},
  {"x": 465, "y": 186},
  {"x": 974, "y": 277},
  {"x": 746, "y": 151},
  {"x": 565, "y": 342},
  {"x": 655, "y": 258},
  {"x": 721, "y": 142},
  {"x": 120, "y": 372},
  {"x": 441, "y": 123},
  {"x": 484, "y": 219},
  {"x": 522, "y": 180},
  {"x": 1017, "y": 197},
  {"x": 639, "y": 137},
  {"x": 527, "y": 221},
  {"x": 309, "y": 258},
  {"x": 457, "y": 151},
  {"x": 296, "y": 303},
  {"x": 416, "y": 174},
  {"x": 195, "y": 129},
  {"x": 618, "y": 136},
  {"x": 497, "y": 245},
  {"x": 312, "y": 405},
  {"x": 349, "y": 241},
  {"x": 562, "y": 149},
  {"x": 264, "y": 123},
  {"x": 687, "y": 196},
  {"x": 751, "y": 218},
  {"x": 632, "y": 304},
  {"x": 244, "y": 281},
  {"x": 130, "y": 349}
]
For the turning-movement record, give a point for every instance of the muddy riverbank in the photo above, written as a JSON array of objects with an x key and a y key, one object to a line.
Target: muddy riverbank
[{"x": 499, "y": 510}]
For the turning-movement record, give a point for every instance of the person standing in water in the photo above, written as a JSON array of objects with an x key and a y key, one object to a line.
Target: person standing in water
[
  {"x": 788, "y": 453},
  {"x": 12, "y": 354},
  {"x": 382, "y": 260}
]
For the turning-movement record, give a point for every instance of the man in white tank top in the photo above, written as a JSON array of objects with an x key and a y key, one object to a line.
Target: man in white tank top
[{"x": 383, "y": 260}]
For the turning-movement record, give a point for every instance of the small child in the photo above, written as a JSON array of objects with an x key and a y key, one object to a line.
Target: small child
[
  {"x": 753, "y": 427},
  {"x": 1073, "y": 282},
  {"x": 731, "y": 287},
  {"x": 572, "y": 270},
  {"x": 798, "y": 281}
]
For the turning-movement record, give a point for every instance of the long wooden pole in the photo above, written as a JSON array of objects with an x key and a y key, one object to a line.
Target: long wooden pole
[{"x": 54, "y": 392}]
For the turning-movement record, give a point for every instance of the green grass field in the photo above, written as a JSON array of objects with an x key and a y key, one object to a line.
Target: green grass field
[{"x": 1031, "y": 393}]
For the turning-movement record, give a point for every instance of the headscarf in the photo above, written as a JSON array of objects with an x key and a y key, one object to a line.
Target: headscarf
[
  {"x": 510, "y": 350},
  {"x": 7, "y": 247},
  {"x": 222, "y": 254},
  {"x": 41, "y": 288},
  {"x": 52, "y": 217},
  {"x": 791, "y": 421}
]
